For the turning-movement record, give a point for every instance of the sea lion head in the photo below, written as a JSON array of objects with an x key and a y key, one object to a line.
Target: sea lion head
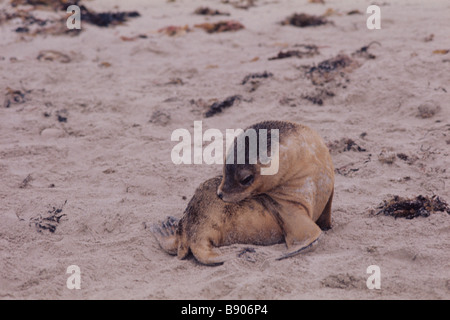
[
  {"x": 239, "y": 182},
  {"x": 247, "y": 165}
]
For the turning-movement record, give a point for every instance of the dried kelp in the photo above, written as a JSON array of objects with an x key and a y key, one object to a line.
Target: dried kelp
[
  {"x": 206, "y": 11},
  {"x": 303, "y": 20},
  {"x": 221, "y": 26},
  {"x": 57, "y": 26},
  {"x": 105, "y": 19},
  {"x": 364, "y": 51},
  {"x": 328, "y": 69},
  {"x": 50, "y": 220},
  {"x": 250, "y": 76},
  {"x": 308, "y": 51},
  {"x": 217, "y": 107},
  {"x": 343, "y": 145},
  {"x": 318, "y": 96},
  {"x": 410, "y": 208},
  {"x": 15, "y": 97},
  {"x": 54, "y": 4}
]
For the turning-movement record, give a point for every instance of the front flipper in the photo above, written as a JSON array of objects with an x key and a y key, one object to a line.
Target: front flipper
[
  {"x": 299, "y": 248},
  {"x": 300, "y": 231},
  {"x": 165, "y": 234}
]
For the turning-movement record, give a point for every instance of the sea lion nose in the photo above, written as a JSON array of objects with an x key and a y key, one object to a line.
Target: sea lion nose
[{"x": 220, "y": 194}]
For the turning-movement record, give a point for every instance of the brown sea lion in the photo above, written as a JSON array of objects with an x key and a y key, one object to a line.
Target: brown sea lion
[{"x": 245, "y": 206}]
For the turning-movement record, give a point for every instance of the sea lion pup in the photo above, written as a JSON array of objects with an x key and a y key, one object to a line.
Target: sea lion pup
[
  {"x": 291, "y": 203},
  {"x": 208, "y": 222},
  {"x": 302, "y": 187}
]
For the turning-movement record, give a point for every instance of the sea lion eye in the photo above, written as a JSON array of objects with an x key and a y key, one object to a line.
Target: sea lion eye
[{"x": 247, "y": 180}]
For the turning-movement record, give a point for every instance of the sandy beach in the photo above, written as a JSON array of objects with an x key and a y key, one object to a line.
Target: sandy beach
[{"x": 86, "y": 119}]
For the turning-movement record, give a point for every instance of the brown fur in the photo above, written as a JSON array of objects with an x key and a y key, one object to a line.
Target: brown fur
[
  {"x": 208, "y": 222},
  {"x": 292, "y": 205}
]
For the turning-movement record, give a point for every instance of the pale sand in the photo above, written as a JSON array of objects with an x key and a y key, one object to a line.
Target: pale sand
[{"x": 113, "y": 165}]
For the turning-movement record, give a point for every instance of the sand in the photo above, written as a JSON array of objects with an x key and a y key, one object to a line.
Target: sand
[{"x": 89, "y": 146}]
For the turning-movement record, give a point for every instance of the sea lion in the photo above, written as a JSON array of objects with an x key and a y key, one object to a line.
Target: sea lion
[
  {"x": 208, "y": 222},
  {"x": 244, "y": 206}
]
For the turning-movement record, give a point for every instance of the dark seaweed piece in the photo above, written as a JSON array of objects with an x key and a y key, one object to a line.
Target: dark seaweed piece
[
  {"x": 14, "y": 97},
  {"x": 351, "y": 145},
  {"x": 419, "y": 206},
  {"x": 364, "y": 51},
  {"x": 25, "y": 182},
  {"x": 264, "y": 74},
  {"x": 310, "y": 50},
  {"x": 217, "y": 107},
  {"x": 340, "y": 61},
  {"x": 344, "y": 145},
  {"x": 22, "y": 30},
  {"x": 318, "y": 96},
  {"x": 210, "y": 12},
  {"x": 104, "y": 19},
  {"x": 221, "y": 26},
  {"x": 50, "y": 221},
  {"x": 328, "y": 69},
  {"x": 304, "y": 20},
  {"x": 55, "y": 4},
  {"x": 246, "y": 254},
  {"x": 62, "y": 115}
]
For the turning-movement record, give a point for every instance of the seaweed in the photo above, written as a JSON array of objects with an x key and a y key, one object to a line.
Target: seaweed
[
  {"x": 50, "y": 221},
  {"x": 58, "y": 26},
  {"x": 250, "y": 76},
  {"x": 210, "y": 12},
  {"x": 402, "y": 156},
  {"x": 14, "y": 97},
  {"x": 62, "y": 115},
  {"x": 246, "y": 254},
  {"x": 310, "y": 50},
  {"x": 217, "y": 107},
  {"x": 221, "y": 26},
  {"x": 303, "y": 20},
  {"x": 318, "y": 96},
  {"x": 55, "y": 4},
  {"x": 105, "y": 19},
  {"x": 364, "y": 51},
  {"x": 352, "y": 12},
  {"x": 410, "y": 208},
  {"x": 343, "y": 145},
  {"x": 328, "y": 69},
  {"x": 26, "y": 182}
]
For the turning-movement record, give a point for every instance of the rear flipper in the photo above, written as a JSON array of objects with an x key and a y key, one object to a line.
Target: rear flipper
[
  {"x": 206, "y": 253},
  {"x": 166, "y": 235}
]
